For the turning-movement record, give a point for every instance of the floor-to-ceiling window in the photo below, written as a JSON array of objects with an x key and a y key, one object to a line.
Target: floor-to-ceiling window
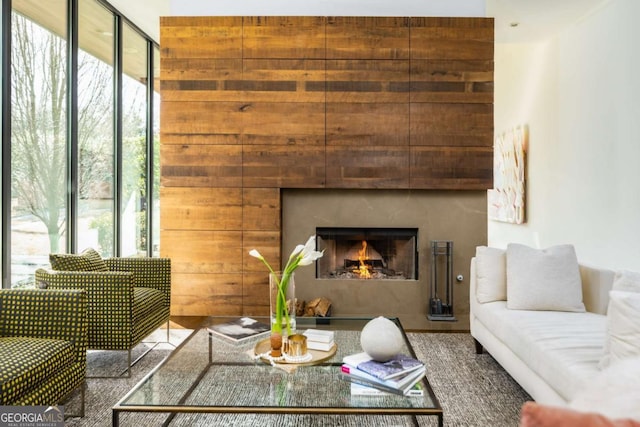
[
  {"x": 155, "y": 166},
  {"x": 81, "y": 135},
  {"x": 38, "y": 137},
  {"x": 96, "y": 138},
  {"x": 134, "y": 143}
]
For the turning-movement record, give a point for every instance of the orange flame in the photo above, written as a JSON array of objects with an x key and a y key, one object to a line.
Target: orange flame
[{"x": 363, "y": 271}]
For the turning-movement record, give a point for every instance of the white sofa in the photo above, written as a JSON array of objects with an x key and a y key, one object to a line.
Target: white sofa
[{"x": 553, "y": 355}]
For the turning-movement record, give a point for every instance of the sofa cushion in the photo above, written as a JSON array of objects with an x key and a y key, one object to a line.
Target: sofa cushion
[
  {"x": 623, "y": 327},
  {"x": 613, "y": 392},
  {"x": 491, "y": 274},
  {"x": 620, "y": 329},
  {"x": 563, "y": 348},
  {"x": 536, "y": 415},
  {"x": 26, "y": 363},
  {"x": 88, "y": 260},
  {"x": 547, "y": 279}
]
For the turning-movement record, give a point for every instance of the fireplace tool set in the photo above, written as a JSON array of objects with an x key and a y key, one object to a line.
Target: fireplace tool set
[{"x": 441, "y": 289}]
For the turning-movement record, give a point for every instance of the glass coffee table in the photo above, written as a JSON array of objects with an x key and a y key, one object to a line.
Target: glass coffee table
[{"x": 210, "y": 374}]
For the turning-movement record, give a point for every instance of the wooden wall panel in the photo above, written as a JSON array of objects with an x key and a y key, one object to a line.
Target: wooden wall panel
[
  {"x": 368, "y": 38},
  {"x": 201, "y": 165},
  {"x": 261, "y": 209},
  {"x": 284, "y": 37},
  {"x": 284, "y": 80},
  {"x": 201, "y": 208},
  {"x": 284, "y": 123},
  {"x": 206, "y": 294},
  {"x": 282, "y": 166},
  {"x": 254, "y": 290},
  {"x": 367, "y": 80},
  {"x": 367, "y": 124},
  {"x": 367, "y": 167},
  {"x": 220, "y": 120},
  {"x": 200, "y": 37},
  {"x": 457, "y": 124},
  {"x": 251, "y": 105},
  {"x": 203, "y": 251},
  {"x": 449, "y": 81},
  {"x": 451, "y": 168},
  {"x": 452, "y": 38}
]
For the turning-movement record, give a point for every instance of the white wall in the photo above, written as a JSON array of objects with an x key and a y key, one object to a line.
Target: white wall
[
  {"x": 579, "y": 94},
  {"x": 329, "y": 7}
]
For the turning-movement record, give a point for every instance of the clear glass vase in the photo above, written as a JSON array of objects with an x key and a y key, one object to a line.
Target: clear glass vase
[{"x": 282, "y": 302}]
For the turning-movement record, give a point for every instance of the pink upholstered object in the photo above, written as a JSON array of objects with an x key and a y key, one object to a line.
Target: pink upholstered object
[{"x": 535, "y": 415}]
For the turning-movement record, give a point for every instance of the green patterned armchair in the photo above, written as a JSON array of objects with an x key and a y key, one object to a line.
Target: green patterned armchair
[
  {"x": 43, "y": 346},
  {"x": 129, "y": 298}
]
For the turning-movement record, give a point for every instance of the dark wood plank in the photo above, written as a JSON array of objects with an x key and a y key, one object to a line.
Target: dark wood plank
[
  {"x": 440, "y": 124},
  {"x": 452, "y": 168},
  {"x": 366, "y": 124},
  {"x": 288, "y": 166},
  {"x": 201, "y": 165},
  {"x": 367, "y": 167}
]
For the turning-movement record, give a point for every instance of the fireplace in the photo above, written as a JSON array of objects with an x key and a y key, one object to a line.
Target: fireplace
[
  {"x": 459, "y": 216},
  {"x": 354, "y": 253}
]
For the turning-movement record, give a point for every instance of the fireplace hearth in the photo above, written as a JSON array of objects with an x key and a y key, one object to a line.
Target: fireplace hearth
[{"x": 367, "y": 253}]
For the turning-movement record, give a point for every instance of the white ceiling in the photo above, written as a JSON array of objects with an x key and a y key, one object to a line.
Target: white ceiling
[{"x": 536, "y": 19}]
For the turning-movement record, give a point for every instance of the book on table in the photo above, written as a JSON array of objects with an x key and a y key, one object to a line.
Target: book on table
[
  {"x": 240, "y": 329},
  {"x": 319, "y": 335},
  {"x": 399, "y": 385},
  {"x": 365, "y": 390},
  {"x": 318, "y": 339},
  {"x": 397, "y": 366}
]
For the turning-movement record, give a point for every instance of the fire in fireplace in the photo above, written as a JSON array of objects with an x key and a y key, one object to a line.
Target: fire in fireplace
[{"x": 367, "y": 253}]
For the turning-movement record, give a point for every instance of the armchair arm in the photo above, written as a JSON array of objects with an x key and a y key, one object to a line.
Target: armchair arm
[
  {"x": 148, "y": 272},
  {"x": 39, "y": 313},
  {"x": 109, "y": 295}
]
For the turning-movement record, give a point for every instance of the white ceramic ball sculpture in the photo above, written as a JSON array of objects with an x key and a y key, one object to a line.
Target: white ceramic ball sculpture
[{"x": 381, "y": 339}]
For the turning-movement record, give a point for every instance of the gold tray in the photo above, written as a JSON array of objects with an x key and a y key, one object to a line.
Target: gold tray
[{"x": 317, "y": 356}]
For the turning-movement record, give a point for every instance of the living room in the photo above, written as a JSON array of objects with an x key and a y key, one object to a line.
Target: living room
[{"x": 550, "y": 64}]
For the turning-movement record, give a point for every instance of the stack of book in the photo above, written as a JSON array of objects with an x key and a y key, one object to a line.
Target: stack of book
[
  {"x": 318, "y": 339},
  {"x": 400, "y": 375}
]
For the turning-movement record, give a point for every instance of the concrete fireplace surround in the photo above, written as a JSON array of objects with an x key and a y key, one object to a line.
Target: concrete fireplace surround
[{"x": 459, "y": 216}]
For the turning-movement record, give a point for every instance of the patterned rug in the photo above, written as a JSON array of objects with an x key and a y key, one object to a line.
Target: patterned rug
[{"x": 472, "y": 389}]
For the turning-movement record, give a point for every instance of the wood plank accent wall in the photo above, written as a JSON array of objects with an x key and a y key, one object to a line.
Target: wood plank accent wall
[{"x": 251, "y": 105}]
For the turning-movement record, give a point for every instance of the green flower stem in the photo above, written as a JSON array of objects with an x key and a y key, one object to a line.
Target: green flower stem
[{"x": 282, "y": 309}]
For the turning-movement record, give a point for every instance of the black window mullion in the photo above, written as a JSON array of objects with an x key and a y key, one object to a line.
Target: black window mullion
[
  {"x": 72, "y": 126},
  {"x": 5, "y": 47},
  {"x": 150, "y": 148},
  {"x": 117, "y": 194}
]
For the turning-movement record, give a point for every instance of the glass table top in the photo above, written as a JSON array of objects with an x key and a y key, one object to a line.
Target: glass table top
[{"x": 210, "y": 373}]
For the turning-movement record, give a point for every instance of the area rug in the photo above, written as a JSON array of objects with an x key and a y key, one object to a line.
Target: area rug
[{"x": 472, "y": 389}]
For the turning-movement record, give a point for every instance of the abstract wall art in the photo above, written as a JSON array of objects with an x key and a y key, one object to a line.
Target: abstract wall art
[{"x": 506, "y": 201}]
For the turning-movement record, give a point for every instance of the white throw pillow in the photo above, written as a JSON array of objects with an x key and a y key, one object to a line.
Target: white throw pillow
[
  {"x": 543, "y": 279},
  {"x": 626, "y": 280},
  {"x": 614, "y": 392},
  {"x": 491, "y": 274},
  {"x": 623, "y": 327}
]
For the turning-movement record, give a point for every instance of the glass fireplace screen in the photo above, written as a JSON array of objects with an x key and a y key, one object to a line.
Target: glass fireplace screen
[{"x": 367, "y": 253}]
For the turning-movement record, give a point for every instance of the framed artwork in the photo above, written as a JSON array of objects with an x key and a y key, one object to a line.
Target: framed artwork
[{"x": 506, "y": 201}]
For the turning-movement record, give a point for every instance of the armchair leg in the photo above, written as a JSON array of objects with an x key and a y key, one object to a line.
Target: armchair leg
[
  {"x": 82, "y": 388},
  {"x": 127, "y": 372}
]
